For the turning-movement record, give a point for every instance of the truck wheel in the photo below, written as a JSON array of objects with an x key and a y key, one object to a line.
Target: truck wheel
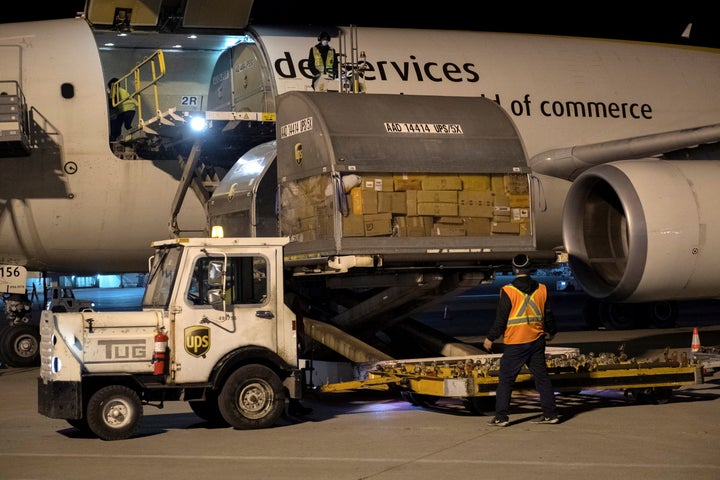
[
  {"x": 114, "y": 412},
  {"x": 20, "y": 345},
  {"x": 253, "y": 397},
  {"x": 208, "y": 410}
]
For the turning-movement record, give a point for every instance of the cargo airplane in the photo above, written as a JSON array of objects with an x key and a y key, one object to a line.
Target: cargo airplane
[{"x": 619, "y": 138}]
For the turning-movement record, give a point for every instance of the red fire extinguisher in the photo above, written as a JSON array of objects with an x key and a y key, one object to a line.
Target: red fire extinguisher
[{"x": 159, "y": 354}]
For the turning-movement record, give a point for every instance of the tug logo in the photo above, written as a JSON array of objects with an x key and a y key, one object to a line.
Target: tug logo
[{"x": 197, "y": 341}]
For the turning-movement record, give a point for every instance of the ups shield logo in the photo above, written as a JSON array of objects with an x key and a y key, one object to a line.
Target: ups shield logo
[{"x": 197, "y": 340}]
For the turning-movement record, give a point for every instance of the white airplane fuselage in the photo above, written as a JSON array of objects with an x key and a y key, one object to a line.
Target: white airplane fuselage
[{"x": 74, "y": 205}]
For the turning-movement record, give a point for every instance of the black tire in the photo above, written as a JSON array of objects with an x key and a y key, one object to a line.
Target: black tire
[
  {"x": 3, "y": 360},
  {"x": 662, "y": 314},
  {"x": 208, "y": 410},
  {"x": 651, "y": 396},
  {"x": 20, "y": 345},
  {"x": 619, "y": 316},
  {"x": 114, "y": 412},
  {"x": 253, "y": 397},
  {"x": 591, "y": 314}
]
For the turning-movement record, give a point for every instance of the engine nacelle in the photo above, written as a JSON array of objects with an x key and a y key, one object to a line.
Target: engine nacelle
[{"x": 645, "y": 230}]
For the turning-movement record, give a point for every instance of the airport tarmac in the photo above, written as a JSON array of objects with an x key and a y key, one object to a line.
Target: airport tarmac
[{"x": 376, "y": 435}]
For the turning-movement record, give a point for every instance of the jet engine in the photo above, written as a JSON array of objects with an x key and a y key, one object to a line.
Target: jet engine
[{"x": 645, "y": 230}]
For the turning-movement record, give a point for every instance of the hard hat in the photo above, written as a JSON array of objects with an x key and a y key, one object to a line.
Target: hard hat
[
  {"x": 324, "y": 35},
  {"x": 521, "y": 264}
]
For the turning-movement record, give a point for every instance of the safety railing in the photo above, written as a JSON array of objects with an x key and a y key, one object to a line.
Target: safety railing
[
  {"x": 14, "y": 121},
  {"x": 143, "y": 77}
]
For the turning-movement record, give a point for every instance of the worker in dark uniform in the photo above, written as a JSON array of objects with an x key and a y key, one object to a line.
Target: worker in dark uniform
[
  {"x": 322, "y": 60},
  {"x": 525, "y": 324}
]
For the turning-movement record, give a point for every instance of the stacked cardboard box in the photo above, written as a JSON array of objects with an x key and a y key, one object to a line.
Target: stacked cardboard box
[
  {"x": 410, "y": 205},
  {"x": 306, "y": 209}
]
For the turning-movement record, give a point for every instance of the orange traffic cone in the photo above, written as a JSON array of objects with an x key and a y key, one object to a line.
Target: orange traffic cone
[{"x": 695, "y": 347}]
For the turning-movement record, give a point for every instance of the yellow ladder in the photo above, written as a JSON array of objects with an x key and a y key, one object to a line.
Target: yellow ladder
[{"x": 143, "y": 77}]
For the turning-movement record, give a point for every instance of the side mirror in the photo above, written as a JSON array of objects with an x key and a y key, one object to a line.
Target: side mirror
[
  {"x": 215, "y": 273},
  {"x": 215, "y": 298}
]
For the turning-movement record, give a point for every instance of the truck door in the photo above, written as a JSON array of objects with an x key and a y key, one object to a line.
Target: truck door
[{"x": 228, "y": 302}]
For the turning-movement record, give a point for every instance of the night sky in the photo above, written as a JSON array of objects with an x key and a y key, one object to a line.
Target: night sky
[{"x": 607, "y": 20}]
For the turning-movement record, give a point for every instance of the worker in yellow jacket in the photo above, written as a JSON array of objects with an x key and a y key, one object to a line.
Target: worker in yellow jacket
[
  {"x": 122, "y": 109},
  {"x": 322, "y": 61}
]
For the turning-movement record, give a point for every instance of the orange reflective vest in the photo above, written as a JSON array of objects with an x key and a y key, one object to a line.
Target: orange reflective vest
[{"x": 525, "y": 322}]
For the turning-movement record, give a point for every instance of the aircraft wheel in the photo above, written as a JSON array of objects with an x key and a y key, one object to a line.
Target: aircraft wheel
[
  {"x": 114, "y": 412},
  {"x": 619, "y": 316},
  {"x": 662, "y": 314},
  {"x": 253, "y": 397},
  {"x": 20, "y": 345},
  {"x": 591, "y": 314}
]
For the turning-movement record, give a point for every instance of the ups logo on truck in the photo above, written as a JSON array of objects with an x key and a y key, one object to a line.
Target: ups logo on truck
[{"x": 197, "y": 341}]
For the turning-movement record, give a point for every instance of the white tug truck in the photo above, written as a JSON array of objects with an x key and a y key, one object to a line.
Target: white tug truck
[{"x": 216, "y": 331}]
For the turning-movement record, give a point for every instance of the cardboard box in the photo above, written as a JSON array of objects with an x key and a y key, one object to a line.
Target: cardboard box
[
  {"x": 448, "y": 230},
  {"x": 353, "y": 226},
  {"x": 519, "y": 200},
  {"x": 451, "y": 220},
  {"x": 411, "y": 202},
  {"x": 516, "y": 184},
  {"x": 501, "y": 200},
  {"x": 475, "y": 182},
  {"x": 442, "y": 182},
  {"x": 306, "y": 236},
  {"x": 497, "y": 184},
  {"x": 475, "y": 203},
  {"x": 438, "y": 209},
  {"x": 311, "y": 223},
  {"x": 506, "y": 228},
  {"x": 405, "y": 182},
  {"x": 391, "y": 202},
  {"x": 377, "y": 224},
  {"x": 437, "y": 196},
  {"x": 363, "y": 201},
  {"x": 418, "y": 226},
  {"x": 378, "y": 183},
  {"x": 321, "y": 225},
  {"x": 477, "y": 226}
]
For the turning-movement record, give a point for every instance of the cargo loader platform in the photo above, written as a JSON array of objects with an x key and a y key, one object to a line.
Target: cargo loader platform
[{"x": 473, "y": 377}]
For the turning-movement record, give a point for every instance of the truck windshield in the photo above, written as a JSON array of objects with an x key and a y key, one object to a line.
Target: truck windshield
[{"x": 162, "y": 277}]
